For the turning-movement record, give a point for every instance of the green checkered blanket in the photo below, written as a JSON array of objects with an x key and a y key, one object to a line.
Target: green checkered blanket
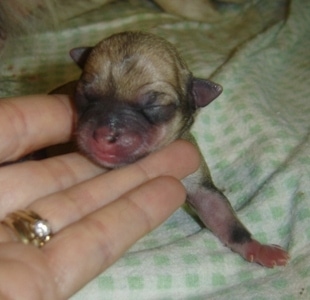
[{"x": 255, "y": 137}]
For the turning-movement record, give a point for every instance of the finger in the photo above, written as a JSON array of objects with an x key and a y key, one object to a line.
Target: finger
[
  {"x": 21, "y": 183},
  {"x": 102, "y": 237},
  {"x": 33, "y": 122},
  {"x": 25, "y": 267},
  {"x": 72, "y": 204}
]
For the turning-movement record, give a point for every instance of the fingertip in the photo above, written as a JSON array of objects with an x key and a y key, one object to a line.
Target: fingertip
[
  {"x": 172, "y": 188},
  {"x": 191, "y": 154},
  {"x": 185, "y": 158}
]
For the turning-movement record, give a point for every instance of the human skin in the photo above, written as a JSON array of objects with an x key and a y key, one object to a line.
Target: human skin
[{"x": 88, "y": 208}]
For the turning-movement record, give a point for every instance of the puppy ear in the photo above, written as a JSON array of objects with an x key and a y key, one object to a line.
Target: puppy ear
[
  {"x": 205, "y": 91},
  {"x": 80, "y": 55}
]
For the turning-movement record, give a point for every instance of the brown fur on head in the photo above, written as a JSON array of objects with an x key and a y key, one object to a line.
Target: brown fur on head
[{"x": 135, "y": 95}]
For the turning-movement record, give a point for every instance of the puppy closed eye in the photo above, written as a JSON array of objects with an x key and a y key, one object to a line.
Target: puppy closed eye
[{"x": 159, "y": 113}]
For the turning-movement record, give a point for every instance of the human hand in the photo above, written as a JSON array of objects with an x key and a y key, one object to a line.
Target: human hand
[{"x": 95, "y": 215}]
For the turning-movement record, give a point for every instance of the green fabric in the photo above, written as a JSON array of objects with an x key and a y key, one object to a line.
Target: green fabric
[{"x": 255, "y": 138}]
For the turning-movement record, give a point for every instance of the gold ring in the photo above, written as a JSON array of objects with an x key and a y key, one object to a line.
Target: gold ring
[{"x": 29, "y": 227}]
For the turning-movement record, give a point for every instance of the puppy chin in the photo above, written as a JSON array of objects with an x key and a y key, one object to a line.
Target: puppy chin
[
  {"x": 113, "y": 161},
  {"x": 112, "y": 156}
]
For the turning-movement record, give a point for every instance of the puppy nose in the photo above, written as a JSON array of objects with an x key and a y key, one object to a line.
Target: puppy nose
[
  {"x": 112, "y": 136},
  {"x": 107, "y": 135}
]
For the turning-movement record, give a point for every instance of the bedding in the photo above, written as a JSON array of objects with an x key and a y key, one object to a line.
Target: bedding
[{"x": 255, "y": 138}]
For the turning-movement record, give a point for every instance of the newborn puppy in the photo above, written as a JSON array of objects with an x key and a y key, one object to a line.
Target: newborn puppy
[{"x": 135, "y": 96}]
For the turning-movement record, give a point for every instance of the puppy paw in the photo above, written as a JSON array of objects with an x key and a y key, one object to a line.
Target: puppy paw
[{"x": 266, "y": 255}]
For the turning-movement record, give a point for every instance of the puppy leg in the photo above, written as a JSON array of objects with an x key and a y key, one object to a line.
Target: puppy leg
[{"x": 216, "y": 213}]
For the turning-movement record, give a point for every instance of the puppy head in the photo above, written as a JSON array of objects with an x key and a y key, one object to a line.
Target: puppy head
[{"x": 135, "y": 95}]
